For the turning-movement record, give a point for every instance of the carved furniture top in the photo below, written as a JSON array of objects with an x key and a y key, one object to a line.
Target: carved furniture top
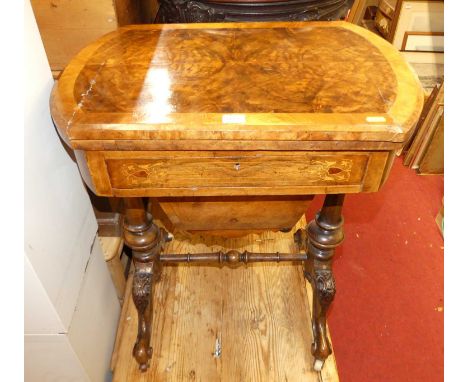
[
  {"x": 276, "y": 81},
  {"x": 209, "y": 11}
]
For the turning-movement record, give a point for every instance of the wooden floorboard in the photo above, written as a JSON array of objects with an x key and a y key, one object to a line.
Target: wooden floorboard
[{"x": 258, "y": 314}]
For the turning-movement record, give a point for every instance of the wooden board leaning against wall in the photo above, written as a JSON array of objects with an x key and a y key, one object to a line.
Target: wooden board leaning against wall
[
  {"x": 66, "y": 27},
  {"x": 425, "y": 152}
]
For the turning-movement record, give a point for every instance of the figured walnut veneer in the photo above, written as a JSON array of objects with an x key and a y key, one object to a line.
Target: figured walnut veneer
[{"x": 262, "y": 70}]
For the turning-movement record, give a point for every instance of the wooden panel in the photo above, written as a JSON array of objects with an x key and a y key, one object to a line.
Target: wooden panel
[
  {"x": 428, "y": 104},
  {"x": 426, "y": 137},
  {"x": 426, "y": 125},
  {"x": 236, "y": 173},
  {"x": 358, "y": 10},
  {"x": 233, "y": 169},
  {"x": 127, "y": 12},
  {"x": 259, "y": 314},
  {"x": 241, "y": 213},
  {"x": 388, "y": 7},
  {"x": 136, "y": 12},
  {"x": 433, "y": 160},
  {"x": 148, "y": 11},
  {"x": 383, "y": 24},
  {"x": 396, "y": 4},
  {"x": 67, "y": 26}
]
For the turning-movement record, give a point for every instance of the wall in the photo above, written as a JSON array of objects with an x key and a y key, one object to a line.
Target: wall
[{"x": 71, "y": 309}]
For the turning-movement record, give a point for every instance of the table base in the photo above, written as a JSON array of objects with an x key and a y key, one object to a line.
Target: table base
[
  {"x": 315, "y": 246},
  {"x": 259, "y": 312}
]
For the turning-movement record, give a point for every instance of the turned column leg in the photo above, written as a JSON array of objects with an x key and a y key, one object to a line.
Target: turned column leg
[
  {"x": 323, "y": 235},
  {"x": 145, "y": 239}
]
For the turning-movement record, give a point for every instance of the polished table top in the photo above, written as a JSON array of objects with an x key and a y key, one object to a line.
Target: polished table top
[{"x": 275, "y": 81}]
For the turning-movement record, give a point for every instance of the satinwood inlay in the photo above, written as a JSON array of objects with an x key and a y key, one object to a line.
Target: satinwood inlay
[{"x": 141, "y": 174}]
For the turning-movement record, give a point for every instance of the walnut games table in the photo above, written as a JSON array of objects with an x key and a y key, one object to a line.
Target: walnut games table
[{"x": 234, "y": 127}]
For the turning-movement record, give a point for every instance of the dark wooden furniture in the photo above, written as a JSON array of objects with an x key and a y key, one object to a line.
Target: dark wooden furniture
[
  {"x": 191, "y": 11},
  {"x": 261, "y": 116}
]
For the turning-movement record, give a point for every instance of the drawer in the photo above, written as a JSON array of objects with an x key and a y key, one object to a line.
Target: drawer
[{"x": 203, "y": 173}]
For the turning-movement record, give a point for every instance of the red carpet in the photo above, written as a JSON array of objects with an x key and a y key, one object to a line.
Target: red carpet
[{"x": 387, "y": 318}]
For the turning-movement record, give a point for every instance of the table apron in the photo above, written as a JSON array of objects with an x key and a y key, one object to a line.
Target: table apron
[{"x": 232, "y": 173}]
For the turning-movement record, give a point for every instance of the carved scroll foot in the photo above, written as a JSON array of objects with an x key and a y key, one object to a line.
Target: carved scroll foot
[
  {"x": 146, "y": 241},
  {"x": 324, "y": 234},
  {"x": 324, "y": 292},
  {"x": 142, "y": 297}
]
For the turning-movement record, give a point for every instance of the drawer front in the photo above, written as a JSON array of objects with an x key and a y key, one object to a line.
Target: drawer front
[{"x": 191, "y": 173}]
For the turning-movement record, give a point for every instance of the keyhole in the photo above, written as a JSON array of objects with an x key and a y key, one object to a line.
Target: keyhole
[{"x": 237, "y": 166}]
